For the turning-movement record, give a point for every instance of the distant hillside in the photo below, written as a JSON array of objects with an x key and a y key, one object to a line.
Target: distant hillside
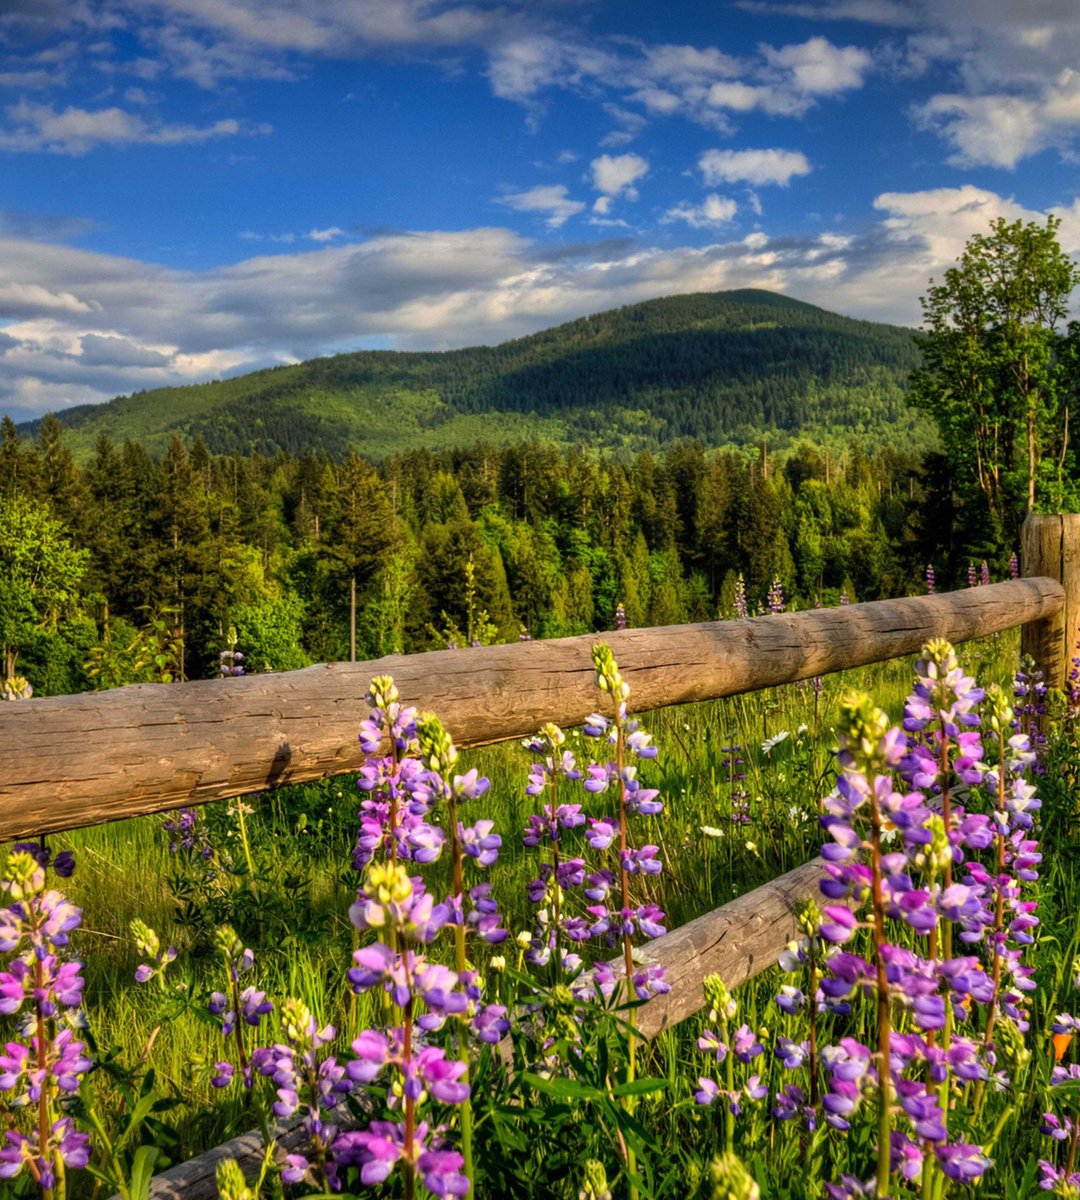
[{"x": 723, "y": 367}]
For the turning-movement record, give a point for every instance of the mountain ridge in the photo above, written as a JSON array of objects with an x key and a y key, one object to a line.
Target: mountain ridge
[{"x": 722, "y": 367}]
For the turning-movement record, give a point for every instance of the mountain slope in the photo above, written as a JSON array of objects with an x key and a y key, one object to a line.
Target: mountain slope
[{"x": 723, "y": 367}]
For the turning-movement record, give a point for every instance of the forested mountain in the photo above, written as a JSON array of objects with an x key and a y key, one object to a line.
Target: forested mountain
[{"x": 721, "y": 367}]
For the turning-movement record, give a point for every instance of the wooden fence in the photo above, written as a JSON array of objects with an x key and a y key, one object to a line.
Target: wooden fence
[{"x": 73, "y": 761}]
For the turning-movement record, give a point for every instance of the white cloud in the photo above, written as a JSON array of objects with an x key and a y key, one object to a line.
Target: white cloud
[
  {"x": 326, "y": 235},
  {"x": 550, "y": 200},
  {"x": 715, "y": 210},
  {"x": 614, "y": 175},
  {"x": 818, "y": 68},
  {"x": 758, "y": 167},
  {"x": 75, "y": 131},
  {"x": 998, "y": 129}
]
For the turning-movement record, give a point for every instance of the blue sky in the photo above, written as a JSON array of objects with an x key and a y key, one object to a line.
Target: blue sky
[{"x": 192, "y": 188}]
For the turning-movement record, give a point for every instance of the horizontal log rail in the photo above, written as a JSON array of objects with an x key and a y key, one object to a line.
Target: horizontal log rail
[{"x": 72, "y": 761}]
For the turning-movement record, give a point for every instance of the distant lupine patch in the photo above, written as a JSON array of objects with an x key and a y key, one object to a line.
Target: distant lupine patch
[{"x": 741, "y": 609}]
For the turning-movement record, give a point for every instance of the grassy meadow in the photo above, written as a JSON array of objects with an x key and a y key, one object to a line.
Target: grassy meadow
[{"x": 720, "y": 835}]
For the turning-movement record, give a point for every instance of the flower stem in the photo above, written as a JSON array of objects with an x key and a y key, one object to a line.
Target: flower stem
[
  {"x": 883, "y": 1014},
  {"x": 463, "y": 1041}
]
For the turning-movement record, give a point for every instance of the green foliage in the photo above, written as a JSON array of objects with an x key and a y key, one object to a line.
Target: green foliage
[
  {"x": 270, "y": 633},
  {"x": 996, "y": 368},
  {"x": 40, "y": 573}
]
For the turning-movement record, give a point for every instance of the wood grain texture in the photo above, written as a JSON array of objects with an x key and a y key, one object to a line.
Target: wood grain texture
[
  {"x": 1050, "y": 548},
  {"x": 71, "y": 761}
]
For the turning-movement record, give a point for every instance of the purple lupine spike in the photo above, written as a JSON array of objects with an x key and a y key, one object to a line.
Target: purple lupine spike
[
  {"x": 930, "y": 579},
  {"x": 741, "y": 610}
]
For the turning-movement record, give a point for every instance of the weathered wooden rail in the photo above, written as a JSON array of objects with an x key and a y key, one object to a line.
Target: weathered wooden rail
[{"x": 73, "y": 761}]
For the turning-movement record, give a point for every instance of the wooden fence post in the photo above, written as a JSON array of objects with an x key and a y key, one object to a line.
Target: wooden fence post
[{"x": 1050, "y": 546}]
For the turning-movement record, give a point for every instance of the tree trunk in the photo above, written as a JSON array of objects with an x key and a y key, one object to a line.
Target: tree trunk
[
  {"x": 352, "y": 618},
  {"x": 1031, "y": 459}
]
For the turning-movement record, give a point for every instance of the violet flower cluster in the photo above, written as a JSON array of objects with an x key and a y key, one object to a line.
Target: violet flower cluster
[
  {"x": 1029, "y": 691},
  {"x": 426, "y": 994},
  {"x": 394, "y": 816},
  {"x": 231, "y": 663},
  {"x": 555, "y": 924},
  {"x": 46, "y": 1062},
  {"x": 622, "y": 908},
  {"x": 928, "y": 872},
  {"x": 235, "y": 1009}
]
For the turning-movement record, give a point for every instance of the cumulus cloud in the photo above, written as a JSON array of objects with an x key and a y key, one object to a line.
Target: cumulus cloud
[
  {"x": 75, "y": 131},
  {"x": 715, "y": 210},
  {"x": 1014, "y": 64},
  {"x": 552, "y": 201},
  {"x": 757, "y": 167},
  {"x": 818, "y": 68},
  {"x": 999, "y": 129},
  {"x": 615, "y": 175}
]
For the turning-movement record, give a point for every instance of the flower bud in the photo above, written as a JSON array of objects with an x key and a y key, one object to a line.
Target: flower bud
[
  {"x": 437, "y": 751},
  {"x": 718, "y": 998},
  {"x": 231, "y": 1184},
  {"x": 731, "y": 1180},
  {"x": 595, "y": 1184},
  {"x": 146, "y": 940},
  {"x": 382, "y": 692}
]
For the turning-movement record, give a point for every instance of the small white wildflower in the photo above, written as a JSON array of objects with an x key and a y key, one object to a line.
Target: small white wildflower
[
  {"x": 752, "y": 847},
  {"x": 710, "y": 831},
  {"x": 770, "y": 744},
  {"x": 524, "y": 939}
]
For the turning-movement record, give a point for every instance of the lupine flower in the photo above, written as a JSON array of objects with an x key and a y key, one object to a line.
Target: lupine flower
[
  {"x": 148, "y": 943},
  {"x": 936, "y": 884},
  {"x": 43, "y": 1066},
  {"x": 776, "y": 597},
  {"x": 930, "y": 579},
  {"x": 741, "y": 609},
  {"x": 390, "y": 900}
]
